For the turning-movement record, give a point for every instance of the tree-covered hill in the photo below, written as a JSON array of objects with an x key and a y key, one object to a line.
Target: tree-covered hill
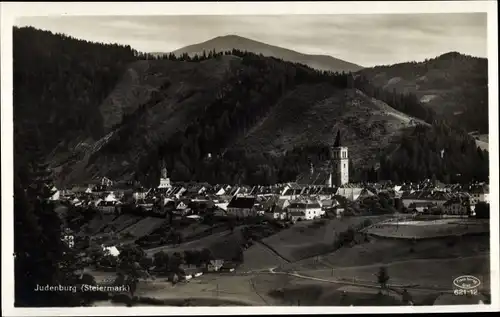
[
  {"x": 453, "y": 85},
  {"x": 222, "y": 117},
  {"x": 59, "y": 84}
]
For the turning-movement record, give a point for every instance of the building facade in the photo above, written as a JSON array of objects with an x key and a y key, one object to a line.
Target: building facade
[
  {"x": 242, "y": 206},
  {"x": 305, "y": 210},
  {"x": 339, "y": 166},
  {"x": 164, "y": 180}
]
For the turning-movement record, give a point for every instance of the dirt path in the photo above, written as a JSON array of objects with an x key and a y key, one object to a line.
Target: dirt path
[
  {"x": 373, "y": 285},
  {"x": 267, "y": 247}
]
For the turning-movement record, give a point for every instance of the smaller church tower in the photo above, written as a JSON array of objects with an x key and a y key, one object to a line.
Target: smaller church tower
[
  {"x": 339, "y": 163},
  {"x": 163, "y": 170},
  {"x": 164, "y": 180}
]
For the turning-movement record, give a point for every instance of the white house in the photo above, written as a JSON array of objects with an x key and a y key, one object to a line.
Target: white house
[
  {"x": 140, "y": 194},
  {"x": 182, "y": 208},
  {"x": 425, "y": 197},
  {"x": 56, "y": 194},
  {"x": 220, "y": 192},
  {"x": 456, "y": 206},
  {"x": 112, "y": 250},
  {"x": 310, "y": 210},
  {"x": 480, "y": 194},
  {"x": 276, "y": 214}
]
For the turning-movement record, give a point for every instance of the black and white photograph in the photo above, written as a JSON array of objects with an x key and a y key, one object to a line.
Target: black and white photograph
[{"x": 327, "y": 157}]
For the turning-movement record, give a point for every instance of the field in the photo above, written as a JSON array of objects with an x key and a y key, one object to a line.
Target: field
[
  {"x": 304, "y": 239},
  {"x": 297, "y": 266},
  {"x": 97, "y": 223},
  {"x": 430, "y": 274},
  {"x": 428, "y": 229},
  {"x": 144, "y": 226},
  {"x": 261, "y": 290},
  {"x": 391, "y": 250},
  {"x": 216, "y": 287},
  {"x": 259, "y": 257},
  {"x": 223, "y": 244}
]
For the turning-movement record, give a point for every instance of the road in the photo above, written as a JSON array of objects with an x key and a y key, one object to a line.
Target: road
[{"x": 393, "y": 288}]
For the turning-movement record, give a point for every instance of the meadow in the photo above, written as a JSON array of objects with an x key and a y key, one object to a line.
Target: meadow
[
  {"x": 428, "y": 229},
  {"x": 307, "y": 239}
]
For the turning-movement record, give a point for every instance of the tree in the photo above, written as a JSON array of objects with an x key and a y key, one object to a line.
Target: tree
[
  {"x": 239, "y": 257},
  {"x": 206, "y": 256},
  {"x": 146, "y": 263},
  {"x": 175, "y": 262},
  {"x": 128, "y": 264},
  {"x": 161, "y": 260},
  {"x": 406, "y": 297},
  {"x": 482, "y": 210},
  {"x": 382, "y": 277},
  {"x": 40, "y": 255}
]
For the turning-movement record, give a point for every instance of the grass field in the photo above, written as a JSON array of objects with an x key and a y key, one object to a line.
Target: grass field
[
  {"x": 223, "y": 245},
  {"x": 428, "y": 273},
  {"x": 144, "y": 226},
  {"x": 259, "y": 257},
  {"x": 304, "y": 240},
  {"x": 427, "y": 267},
  {"x": 390, "y": 250},
  {"x": 428, "y": 229},
  {"x": 217, "y": 287},
  {"x": 263, "y": 290},
  {"x": 97, "y": 223},
  {"x": 120, "y": 223}
]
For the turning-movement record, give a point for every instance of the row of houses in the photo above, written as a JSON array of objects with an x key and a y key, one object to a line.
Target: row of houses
[{"x": 244, "y": 201}]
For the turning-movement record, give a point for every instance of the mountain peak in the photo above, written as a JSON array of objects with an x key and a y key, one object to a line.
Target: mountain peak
[
  {"x": 233, "y": 41},
  {"x": 231, "y": 36},
  {"x": 451, "y": 54}
]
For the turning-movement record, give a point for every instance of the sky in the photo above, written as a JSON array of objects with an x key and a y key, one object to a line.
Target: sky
[{"x": 364, "y": 39}]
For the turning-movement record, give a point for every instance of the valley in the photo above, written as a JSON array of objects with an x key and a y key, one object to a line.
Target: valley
[{"x": 234, "y": 172}]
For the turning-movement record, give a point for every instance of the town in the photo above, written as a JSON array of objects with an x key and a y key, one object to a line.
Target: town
[
  {"x": 166, "y": 224},
  {"x": 205, "y": 161}
]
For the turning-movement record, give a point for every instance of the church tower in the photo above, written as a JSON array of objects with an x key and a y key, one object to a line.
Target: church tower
[
  {"x": 164, "y": 180},
  {"x": 339, "y": 163}
]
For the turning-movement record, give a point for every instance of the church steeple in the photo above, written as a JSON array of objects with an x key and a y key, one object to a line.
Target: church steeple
[
  {"x": 164, "y": 180},
  {"x": 337, "y": 140},
  {"x": 339, "y": 163},
  {"x": 163, "y": 168}
]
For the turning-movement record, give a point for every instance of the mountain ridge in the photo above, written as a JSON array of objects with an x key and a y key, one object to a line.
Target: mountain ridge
[
  {"x": 453, "y": 85},
  {"x": 232, "y": 117},
  {"x": 232, "y": 41}
]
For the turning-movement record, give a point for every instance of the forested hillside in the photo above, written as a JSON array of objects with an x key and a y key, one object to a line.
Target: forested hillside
[
  {"x": 59, "y": 84},
  {"x": 453, "y": 85},
  {"x": 221, "y": 117},
  {"x": 437, "y": 152}
]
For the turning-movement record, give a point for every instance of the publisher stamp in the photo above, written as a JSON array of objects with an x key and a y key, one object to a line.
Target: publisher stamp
[{"x": 466, "y": 285}]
